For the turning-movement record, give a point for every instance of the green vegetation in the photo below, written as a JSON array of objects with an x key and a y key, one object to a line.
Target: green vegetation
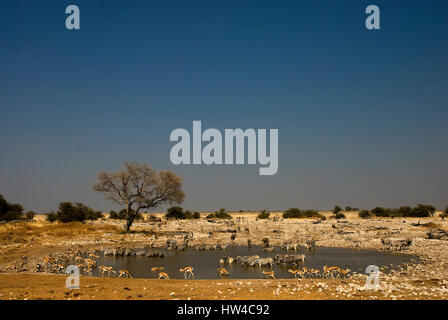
[
  {"x": 444, "y": 214},
  {"x": 338, "y": 215},
  {"x": 30, "y": 215},
  {"x": 179, "y": 213},
  {"x": 121, "y": 215},
  {"x": 365, "y": 214},
  {"x": 420, "y": 211},
  {"x": 52, "y": 217},
  {"x": 79, "y": 212},
  {"x": 263, "y": 215},
  {"x": 220, "y": 214},
  {"x": 297, "y": 213},
  {"x": 9, "y": 211},
  {"x": 336, "y": 210}
]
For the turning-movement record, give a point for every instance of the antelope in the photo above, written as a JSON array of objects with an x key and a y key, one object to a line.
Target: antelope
[
  {"x": 163, "y": 275},
  {"x": 124, "y": 273},
  {"x": 223, "y": 272},
  {"x": 329, "y": 271},
  {"x": 315, "y": 272},
  {"x": 269, "y": 274},
  {"x": 90, "y": 262},
  {"x": 155, "y": 269},
  {"x": 60, "y": 267},
  {"x": 78, "y": 258},
  {"x": 88, "y": 269},
  {"x": 49, "y": 260},
  {"x": 93, "y": 256},
  {"x": 104, "y": 269},
  {"x": 297, "y": 272},
  {"x": 188, "y": 270},
  {"x": 11, "y": 267},
  {"x": 345, "y": 272},
  {"x": 306, "y": 271}
]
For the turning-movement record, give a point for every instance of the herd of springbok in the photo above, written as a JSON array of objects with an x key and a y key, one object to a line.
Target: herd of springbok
[{"x": 88, "y": 265}]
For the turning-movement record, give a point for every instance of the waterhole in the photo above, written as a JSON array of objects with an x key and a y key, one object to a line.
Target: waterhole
[{"x": 205, "y": 263}]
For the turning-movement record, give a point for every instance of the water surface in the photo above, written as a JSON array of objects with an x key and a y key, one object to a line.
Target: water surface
[{"x": 205, "y": 263}]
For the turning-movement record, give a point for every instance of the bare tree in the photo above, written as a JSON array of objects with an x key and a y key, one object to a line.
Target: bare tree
[{"x": 139, "y": 187}]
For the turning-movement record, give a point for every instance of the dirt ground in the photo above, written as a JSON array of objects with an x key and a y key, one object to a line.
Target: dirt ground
[
  {"x": 23, "y": 243},
  {"x": 52, "y": 287}
]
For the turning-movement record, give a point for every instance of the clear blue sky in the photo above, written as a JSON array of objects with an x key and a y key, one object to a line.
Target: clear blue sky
[{"x": 362, "y": 115}]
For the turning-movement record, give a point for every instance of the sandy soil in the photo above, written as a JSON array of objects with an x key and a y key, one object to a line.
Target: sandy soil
[{"x": 24, "y": 244}]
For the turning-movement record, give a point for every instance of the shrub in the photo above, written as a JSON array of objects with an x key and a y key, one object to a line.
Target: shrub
[
  {"x": 94, "y": 215},
  {"x": 220, "y": 214},
  {"x": 68, "y": 212},
  {"x": 263, "y": 215},
  {"x": 431, "y": 208},
  {"x": 404, "y": 210},
  {"x": 293, "y": 213},
  {"x": 113, "y": 215},
  {"x": 348, "y": 208},
  {"x": 339, "y": 215},
  {"x": 122, "y": 215},
  {"x": 380, "y": 212},
  {"x": 153, "y": 218},
  {"x": 444, "y": 214},
  {"x": 175, "y": 213},
  {"x": 52, "y": 217},
  {"x": 192, "y": 215},
  {"x": 365, "y": 214},
  {"x": 30, "y": 215},
  {"x": 9, "y": 211},
  {"x": 76, "y": 213},
  {"x": 336, "y": 210},
  {"x": 420, "y": 211},
  {"x": 297, "y": 213}
]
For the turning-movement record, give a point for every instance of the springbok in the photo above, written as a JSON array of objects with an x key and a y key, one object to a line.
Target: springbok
[
  {"x": 124, "y": 273},
  {"x": 79, "y": 258},
  {"x": 93, "y": 256},
  {"x": 104, "y": 269},
  {"x": 49, "y": 260},
  {"x": 269, "y": 274},
  {"x": 155, "y": 269},
  {"x": 329, "y": 271},
  {"x": 60, "y": 267},
  {"x": 306, "y": 271},
  {"x": 315, "y": 272},
  {"x": 188, "y": 270},
  {"x": 10, "y": 268},
  {"x": 297, "y": 272},
  {"x": 90, "y": 262},
  {"x": 223, "y": 272},
  {"x": 345, "y": 272},
  {"x": 163, "y": 275}
]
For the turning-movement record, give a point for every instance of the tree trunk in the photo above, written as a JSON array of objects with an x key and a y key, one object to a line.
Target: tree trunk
[
  {"x": 129, "y": 218},
  {"x": 129, "y": 224}
]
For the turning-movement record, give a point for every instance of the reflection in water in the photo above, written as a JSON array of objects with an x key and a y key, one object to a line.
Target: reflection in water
[{"x": 206, "y": 263}]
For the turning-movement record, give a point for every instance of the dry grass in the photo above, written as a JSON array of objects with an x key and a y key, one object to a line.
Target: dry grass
[{"x": 23, "y": 232}]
